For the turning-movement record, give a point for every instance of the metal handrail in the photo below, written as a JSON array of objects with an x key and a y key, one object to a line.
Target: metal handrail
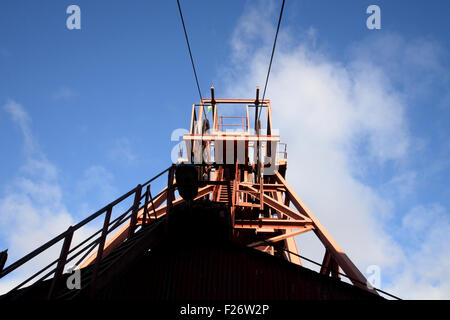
[
  {"x": 243, "y": 125},
  {"x": 67, "y": 235}
]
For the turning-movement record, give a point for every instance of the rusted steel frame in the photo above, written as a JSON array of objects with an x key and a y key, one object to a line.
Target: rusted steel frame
[
  {"x": 335, "y": 269},
  {"x": 201, "y": 193},
  {"x": 247, "y": 120},
  {"x": 214, "y": 111},
  {"x": 289, "y": 242},
  {"x": 161, "y": 211},
  {"x": 270, "y": 223},
  {"x": 247, "y": 204},
  {"x": 61, "y": 262},
  {"x": 156, "y": 202},
  {"x": 219, "y": 177},
  {"x": 189, "y": 150},
  {"x": 193, "y": 119},
  {"x": 263, "y": 248},
  {"x": 231, "y": 136},
  {"x": 133, "y": 218},
  {"x": 269, "y": 119},
  {"x": 286, "y": 200},
  {"x": 232, "y": 125},
  {"x": 278, "y": 205},
  {"x": 266, "y": 186},
  {"x": 256, "y": 106},
  {"x": 99, "y": 254},
  {"x": 285, "y": 149},
  {"x": 261, "y": 193},
  {"x": 230, "y": 198},
  {"x": 269, "y": 132},
  {"x": 258, "y": 151},
  {"x": 335, "y": 250},
  {"x": 330, "y": 266},
  {"x": 212, "y": 182},
  {"x": 234, "y": 197},
  {"x": 233, "y": 117},
  {"x": 325, "y": 268},
  {"x": 200, "y": 121},
  {"x": 281, "y": 237},
  {"x": 235, "y": 101}
]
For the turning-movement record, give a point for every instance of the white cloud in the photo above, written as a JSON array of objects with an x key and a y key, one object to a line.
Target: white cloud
[
  {"x": 424, "y": 274},
  {"x": 340, "y": 120},
  {"x": 32, "y": 208}
]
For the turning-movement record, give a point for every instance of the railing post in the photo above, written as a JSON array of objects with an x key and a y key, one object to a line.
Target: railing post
[
  {"x": 133, "y": 218},
  {"x": 261, "y": 192},
  {"x": 170, "y": 194},
  {"x": 3, "y": 258},
  {"x": 145, "y": 214},
  {"x": 153, "y": 205},
  {"x": 101, "y": 247},
  {"x": 61, "y": 262}
]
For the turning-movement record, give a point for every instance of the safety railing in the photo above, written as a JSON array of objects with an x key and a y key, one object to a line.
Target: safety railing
[
  {"x": 70, "y": 252},
  {"x": 243, "y": 125},
  {"x": 282, "y": 150}
]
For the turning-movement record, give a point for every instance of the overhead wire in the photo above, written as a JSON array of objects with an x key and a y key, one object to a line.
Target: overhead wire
[
  {"x": 259, "y": 115},
  {"x": 189, "y": 49},
  {"x": 273, "y": 52}
]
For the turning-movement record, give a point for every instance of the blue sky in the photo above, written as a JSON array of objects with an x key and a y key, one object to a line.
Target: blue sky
[{"x": 87, "y": 114}]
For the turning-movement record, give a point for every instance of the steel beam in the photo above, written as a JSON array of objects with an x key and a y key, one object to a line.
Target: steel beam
[
  {"x": 265, "y": 223},
  {"x": 281, "y": 237},
  {"x": 336, "y": 251}
]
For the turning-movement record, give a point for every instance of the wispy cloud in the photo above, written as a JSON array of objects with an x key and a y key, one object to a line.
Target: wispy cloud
[
  {"x": 424, "y": 273},
  {"x": 97, "y": 180},
  {"x": 32, "y": 210},
  {"x": 122, "y": 151},
  {"x": 64, "y": 93},
  {"x": 23, "y": 121},
  {"x": 342, "y": 120}
]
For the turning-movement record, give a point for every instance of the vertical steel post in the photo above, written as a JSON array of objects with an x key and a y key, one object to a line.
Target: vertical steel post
[
  {"x": 136, "y": 203},
  {"x": 170, "y": 195},
  {"x": 151, "y": 201},
  {"x": 3, "y": 258},
  {"x": 61, "y": 262},
  {"x": 145, "y": 213},
  {"x": 101, "y": 246},
  {"x": 214, "y": 113}
]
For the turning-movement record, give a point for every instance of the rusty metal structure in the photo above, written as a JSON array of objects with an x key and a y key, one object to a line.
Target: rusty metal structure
[{"x": 228, "y": 193}]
